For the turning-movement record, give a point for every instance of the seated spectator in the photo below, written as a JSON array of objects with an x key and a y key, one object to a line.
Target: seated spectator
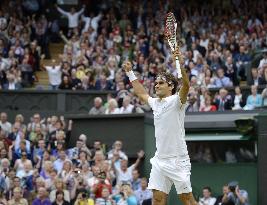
[
  {"x": 231, "y": 70},
  {"x": 98, "y": 107},
  {"x": 192, "y": 101},
  {"x": 222, "y": 80},
  {"x": 221, "y": 200},
  {"x": 236, "y": 195},
  {"x": 127, "y": 107},
  {"x": 207, "y": 107},
  {"x": 105, "y": 198},
  {"x": 103, "y": 83},
  {"x": 11, "y": 83},
  {"x": 83, "y": 199},
  {"x": 223, "y": 101},
  {"x": 59, "y": 187},
  {"x": 263, "y": 61},
  {"x": 255, "y": 77},
  {"x": 112, "y": 107},
  {"x": 65, "y": 84},
  {"x": 101, "y": 184},
  {"x": 60, "y": 199},
  {"x": 239, "y": 100},
  {"x": 126, "y": 196},
  {"x": 264, "y": 97},
  {"x": 254, "y": 100},
  {"x": 207, "y": 199},
  {"x": 42, "y": 197},
  {"x": 136, "y": 180},
  {"x": 17, "y": 198},
  {"x": 264, "y": 75},
  {"x": 116, "y": 152},
  {"x": 143, "y": 193},
  {"x": 58, "y": 164},
  {"x": 230, "y": 156},
  {"x": 20, "y": 163},
  {"x": 242, "y": 58},
  {"x": 5, "y": 125}
]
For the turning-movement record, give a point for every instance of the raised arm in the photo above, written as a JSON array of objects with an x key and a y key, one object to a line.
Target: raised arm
[
  {"x": 183, "y": 92},
  {"x": 81, "y": 11},
  {"x": 62, "y": 11},
  {"x": 139, "y": 89}
]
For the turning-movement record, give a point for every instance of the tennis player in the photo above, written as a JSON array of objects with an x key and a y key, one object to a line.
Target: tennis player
[{"x": 171, "y": 163}]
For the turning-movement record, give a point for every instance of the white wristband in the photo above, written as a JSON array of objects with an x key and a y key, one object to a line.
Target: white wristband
[{"x": 131, "y": 76}]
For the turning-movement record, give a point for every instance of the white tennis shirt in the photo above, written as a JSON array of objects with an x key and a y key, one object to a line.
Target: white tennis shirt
[{"x": 169, "y": 114}]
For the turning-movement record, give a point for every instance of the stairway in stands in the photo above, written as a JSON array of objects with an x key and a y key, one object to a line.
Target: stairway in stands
[{"x": 55, "y": 50}]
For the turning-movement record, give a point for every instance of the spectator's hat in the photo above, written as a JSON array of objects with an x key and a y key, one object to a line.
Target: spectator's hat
[{"x": 233, "y": 184}]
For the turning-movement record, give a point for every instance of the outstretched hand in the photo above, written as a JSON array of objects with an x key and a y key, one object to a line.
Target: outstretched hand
[
  {"x": 127, "y": 66},
  {"x": 178, "y": 53},
  {"x": 141, "y": 154}
]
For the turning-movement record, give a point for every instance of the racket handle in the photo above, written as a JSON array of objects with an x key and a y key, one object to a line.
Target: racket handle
[{"x": 179, "y": 73}]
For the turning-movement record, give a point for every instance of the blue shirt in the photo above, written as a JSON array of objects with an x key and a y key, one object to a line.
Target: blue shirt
[
  {"x": 223, "y": 82},
  {"x": 38, "y": 201}
]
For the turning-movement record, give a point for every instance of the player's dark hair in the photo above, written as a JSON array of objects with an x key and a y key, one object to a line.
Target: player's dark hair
[{"x": 170, "y": 79}]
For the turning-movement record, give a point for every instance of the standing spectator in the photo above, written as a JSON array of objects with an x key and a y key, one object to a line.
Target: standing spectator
[
  {"x": 143, "y": 193},
  {"x": 73, "y": 17},
  {"x": 124, "y": 173},
  {"x": 98, "y": 107},
  {"x": 92, "y": 22},
  {"x": 254, "y": 100},
  {"x": 207, "y": 199},
  {"x": 54, "y": 73},
  {"x": 5, "y": 125},
  {"x": 42, "y": 198}
]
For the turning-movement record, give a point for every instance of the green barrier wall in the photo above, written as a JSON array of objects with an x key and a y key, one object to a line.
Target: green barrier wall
[{"x": 213, "y": 175}]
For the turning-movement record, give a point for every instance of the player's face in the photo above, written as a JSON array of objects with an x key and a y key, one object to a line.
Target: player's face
[{"x": 162, "y": 88}]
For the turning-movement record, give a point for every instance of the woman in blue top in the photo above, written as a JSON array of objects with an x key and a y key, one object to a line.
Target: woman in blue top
[{"x": 254, "y": 100}]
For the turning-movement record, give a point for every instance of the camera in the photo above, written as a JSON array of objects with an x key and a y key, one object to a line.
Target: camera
[
  {"x": 84, "y": 195},
  {"x": 232, "y": 186}
]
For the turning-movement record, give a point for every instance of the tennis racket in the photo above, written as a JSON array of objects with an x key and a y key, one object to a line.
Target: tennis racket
[{"x": 170, "y": 35}]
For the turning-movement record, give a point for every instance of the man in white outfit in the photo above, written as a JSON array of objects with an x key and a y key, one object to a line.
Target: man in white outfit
[
  {"x": 73, "y": 17},
  {"x": 171, "y": 163}
]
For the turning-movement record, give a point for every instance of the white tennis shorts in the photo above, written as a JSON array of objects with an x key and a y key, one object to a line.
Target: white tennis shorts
[{"x": 166, "y": 172}]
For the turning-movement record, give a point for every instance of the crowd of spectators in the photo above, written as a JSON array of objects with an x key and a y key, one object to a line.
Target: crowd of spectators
[
  {"x": 232, "y": 194},
  {"x": 219, "y": 42},
  {"x": 36, "y": 167}
]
